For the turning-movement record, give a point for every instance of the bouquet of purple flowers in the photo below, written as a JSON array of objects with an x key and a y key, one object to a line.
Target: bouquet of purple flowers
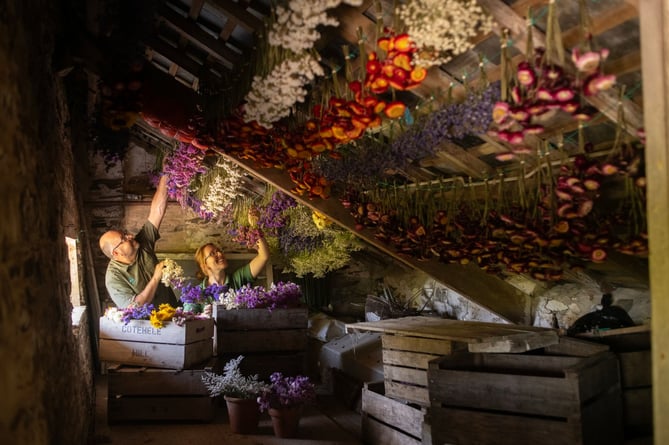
[
  {"x": 279, "y": 296},
  {"x": 287, "y": 391}
]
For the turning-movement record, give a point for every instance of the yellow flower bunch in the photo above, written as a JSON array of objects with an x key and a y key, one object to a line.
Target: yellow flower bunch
[
  {"x": 164, "y": 313},
  {"x": 320, "y": 219}
]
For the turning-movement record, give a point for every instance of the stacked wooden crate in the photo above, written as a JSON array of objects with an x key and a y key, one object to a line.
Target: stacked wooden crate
[
  {"x": 171, "y": 347},
  {"x": 138, "y": 393},
  {"x": 270, "y": 341},
  {"x": 500, "y": 399},
  {"x": 155, "y": 374},
  {"x": 408, "y": 346},
  {"x": 632, "y": 347}
]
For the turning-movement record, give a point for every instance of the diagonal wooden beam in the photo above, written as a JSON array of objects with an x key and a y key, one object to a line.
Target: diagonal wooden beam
[
  {"x": 606, "y": 101},
  {"x": 488, "y": 291},
  {"x": 460, "y": 159}
]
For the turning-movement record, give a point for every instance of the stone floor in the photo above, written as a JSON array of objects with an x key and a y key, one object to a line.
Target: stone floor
[{"x": 327, "y": 422}]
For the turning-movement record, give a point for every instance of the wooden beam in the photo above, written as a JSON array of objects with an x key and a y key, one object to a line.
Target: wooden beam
[
  {"x": 601, "y": 23},
  {"x": 464, "y": 161},
  {"x": 653, "y": 23},
  {"x": 193, "y": 32},
  {"x": 241, "y": 15},
  {"x": 195, "y": 9},
  {"x": 483, "y": 289},
  {"x": 605, "y": 101}
]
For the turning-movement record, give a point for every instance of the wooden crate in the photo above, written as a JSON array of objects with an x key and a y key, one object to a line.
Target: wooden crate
[
  {"x": 172, "y": 347},
  {"x": 511, "y": 399},
  {"x": 632, "y": 346},
  {"x": 269, "y": 340},
  {"x": 138, "y": 393},
  {"x": 409, "y": 343},
  {"x": 391, "y": 422}
]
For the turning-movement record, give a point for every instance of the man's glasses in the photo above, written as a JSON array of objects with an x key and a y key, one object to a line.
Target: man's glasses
[{"x": 125, "y": 236}]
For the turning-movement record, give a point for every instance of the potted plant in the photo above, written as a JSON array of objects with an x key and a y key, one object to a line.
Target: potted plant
[
  {"x": 284, "y": 400},
  {"x": 240, "y": 393}
]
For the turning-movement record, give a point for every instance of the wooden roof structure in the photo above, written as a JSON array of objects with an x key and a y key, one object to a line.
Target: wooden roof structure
[{"x": 193, "y": 46}]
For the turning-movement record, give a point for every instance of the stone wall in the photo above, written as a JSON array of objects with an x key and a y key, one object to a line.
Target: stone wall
[{"x": 46, "y": 385}]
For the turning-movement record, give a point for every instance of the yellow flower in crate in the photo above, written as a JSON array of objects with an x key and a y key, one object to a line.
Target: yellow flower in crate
[
  {"x": 320, "y": 219},
  {"x": 164, "y": 313}
]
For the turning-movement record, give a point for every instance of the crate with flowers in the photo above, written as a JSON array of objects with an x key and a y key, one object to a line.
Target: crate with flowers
[
  {"x": 163, "y": 337},
  {"x": 267, "y": 325}
]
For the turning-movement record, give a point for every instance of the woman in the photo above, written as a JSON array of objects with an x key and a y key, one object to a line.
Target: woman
[{"x": 213, "y": 264}]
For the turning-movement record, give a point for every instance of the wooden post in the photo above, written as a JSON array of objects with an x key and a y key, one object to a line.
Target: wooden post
[{"x": 654, "y": 19}]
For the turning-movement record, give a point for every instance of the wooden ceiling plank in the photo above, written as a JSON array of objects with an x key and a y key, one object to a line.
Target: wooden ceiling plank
[
  {"x": 204, "y": 40},
  {"x": 629, "y": 63},
  {"x": 601, "y": 23},
  {"x": 241, "y": 15},
  {"x": 195, "y": 9},
  {"x": 227, "y": 30},
  {"x": 174, "y": 55},
  {"x": 465, "y": 161},
  {"x": 605, "y": 101}
]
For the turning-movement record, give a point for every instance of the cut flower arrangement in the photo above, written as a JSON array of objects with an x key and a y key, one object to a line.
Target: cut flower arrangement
[
  {"x": 287, "y": 391},
  {"x": 279, "y": 296},
  {"x": 157, "y": 317}
]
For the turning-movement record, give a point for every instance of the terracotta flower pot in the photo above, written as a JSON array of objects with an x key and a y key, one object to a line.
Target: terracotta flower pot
[
  {"x": 244, "y": 414},
  {"x": 286, "y": 420}
]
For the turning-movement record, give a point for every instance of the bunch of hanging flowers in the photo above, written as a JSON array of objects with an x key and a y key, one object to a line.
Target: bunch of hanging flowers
[
  {"x": 443, "y": 29},
  {"x": 295, "y": 24},
  {"x": 224, "y": 188},
  {"x": 272, "y": 97}
]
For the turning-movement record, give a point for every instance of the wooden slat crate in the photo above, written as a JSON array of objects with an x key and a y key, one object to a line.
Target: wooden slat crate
[
  {"x": 171, "y": 347},
  {"x": 137, "y": 393},
  {"x": 391, "y": 422},
  {"x": 509, "y": 399},
  {"x": 632, "y": 346},
  {"x": 269, "y": 340},
  {"x": 410, "y": 343}
]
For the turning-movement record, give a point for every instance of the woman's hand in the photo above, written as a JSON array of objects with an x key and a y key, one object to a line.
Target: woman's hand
[{"x": 253, "y": 216}]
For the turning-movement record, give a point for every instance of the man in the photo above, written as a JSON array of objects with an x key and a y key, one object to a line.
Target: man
[{"x": 133, "y": 275}]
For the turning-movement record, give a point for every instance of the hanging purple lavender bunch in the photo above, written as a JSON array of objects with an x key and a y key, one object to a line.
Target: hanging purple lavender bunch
[
  {"x": 183, "y": 165},
  {"x": 272, "y": 216}
]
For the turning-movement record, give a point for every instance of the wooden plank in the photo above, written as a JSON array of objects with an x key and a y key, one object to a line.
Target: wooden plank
[
  {"x": 600, "y": 23},
  {"x": 401, "y": 374},
  {"x": 575, "y": 347},
  {"x": 152, "y": 381},
  {"x": 156, "y": 354},
  {"x": 409, "y": 359},
  {"x": 635, "y": 369},
  {"x": 403, "y": 417},
  {"x": 419, "y": 344},
  {"x": 528, "y": 342},
  {"x": 374, "y": 431},
  {"x": 122, "y": 409},
  {"x": 239, "y": 14},
  {"x": 444, "y": 329},
  {"x": 262, "y": 341},
  {"x": 638, "y": 408},
  {"x": 201, "y": 39},
  {"x": 465, "y": 427},
  {"x": 171, "y": 333},
  {"x": 415, "y": 394},
  {"x": 260, "y": 319}
]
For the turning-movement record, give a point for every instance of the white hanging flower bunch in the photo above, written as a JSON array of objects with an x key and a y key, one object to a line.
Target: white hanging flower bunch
[
  {"x": 295, "y": 25},
  {"x": 173, "y": 273},
  {"x": 443, "y": 29},
  {"x": 224, "y": 188},
  {"x": 272, "y": 97}
]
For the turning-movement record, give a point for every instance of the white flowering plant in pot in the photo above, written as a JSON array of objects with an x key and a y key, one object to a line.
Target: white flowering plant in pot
[{"x": 232, "y": 383}]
